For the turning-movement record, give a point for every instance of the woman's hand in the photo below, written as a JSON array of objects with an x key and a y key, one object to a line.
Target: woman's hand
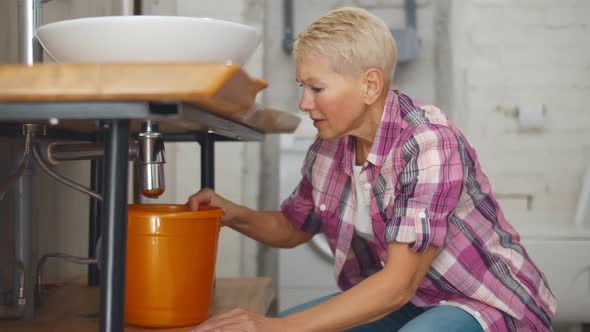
[
  {"x": 209, "y": 197},
  {"x": 240, "y": 320}
]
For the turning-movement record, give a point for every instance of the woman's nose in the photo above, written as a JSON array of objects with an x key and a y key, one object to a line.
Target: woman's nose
[{"x": 305, "y": 103}]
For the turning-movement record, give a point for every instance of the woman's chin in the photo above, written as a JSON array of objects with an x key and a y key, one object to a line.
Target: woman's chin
[{"x": 327, "y": 135}]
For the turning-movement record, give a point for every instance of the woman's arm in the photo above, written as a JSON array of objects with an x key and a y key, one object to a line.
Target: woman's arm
[
  {"x": 376, "y": 296},
  {"x": 269, "y": 227}
]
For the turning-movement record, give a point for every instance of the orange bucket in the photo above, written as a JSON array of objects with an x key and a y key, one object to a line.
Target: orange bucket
[{"x": 171, "y": 255}]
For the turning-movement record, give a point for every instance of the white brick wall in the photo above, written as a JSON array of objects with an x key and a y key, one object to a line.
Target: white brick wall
[{"x": 505, "y": 54}]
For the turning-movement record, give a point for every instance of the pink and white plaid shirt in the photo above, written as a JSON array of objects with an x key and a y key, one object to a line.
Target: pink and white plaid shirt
[{"x": 425, "y": 187}]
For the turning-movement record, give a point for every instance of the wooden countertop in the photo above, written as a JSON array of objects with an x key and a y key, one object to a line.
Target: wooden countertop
[
  {"x": 222, "y": 89},
  {"x": 74, "y": 307},
  {"x": 218, "y": 87}
]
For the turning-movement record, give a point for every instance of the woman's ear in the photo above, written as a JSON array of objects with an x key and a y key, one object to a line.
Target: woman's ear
[{"x": 373, "y": 85}]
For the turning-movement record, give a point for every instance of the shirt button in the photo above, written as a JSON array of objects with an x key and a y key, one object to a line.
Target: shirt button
[
  {"x": 442, "y": 301},
  {"x": 477, "y": 314},
  {"x": 422, "y": 215},
  {"x": 367, "y": 186},
  {"x": 366, "y": 164},
  {"x": 322, "y": 207}
]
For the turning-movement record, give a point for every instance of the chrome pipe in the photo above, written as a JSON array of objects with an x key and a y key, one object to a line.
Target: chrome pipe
[
  {"x": 58, "y": 152},
  {"x": 63, "y": 179},
  {"x": 29, "y": 52},
  {"x": 21, "y": 187},
  {"x": 20, "y": 169},
  {"x": 29, "y": 18},
  {"x": 31, "y": 130},
  {"x": 21, "y": 207},
  {"x": 21, "y": 283},
  {"x": 151, "y": 160},
  {"x": 17, "y": 312}
]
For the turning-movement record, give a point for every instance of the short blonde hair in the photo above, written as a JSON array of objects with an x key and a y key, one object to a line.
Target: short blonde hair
[{"x": 353, "y": 38}]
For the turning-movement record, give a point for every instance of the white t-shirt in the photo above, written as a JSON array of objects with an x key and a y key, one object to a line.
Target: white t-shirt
[{"x": 363, "y": 225}]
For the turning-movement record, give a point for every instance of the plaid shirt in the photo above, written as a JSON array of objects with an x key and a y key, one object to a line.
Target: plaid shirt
[{"x": 425, "y": 187}]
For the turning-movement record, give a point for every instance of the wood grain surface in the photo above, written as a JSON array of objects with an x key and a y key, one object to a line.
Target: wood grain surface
[
  {"x": 74, "y": 307},
  {"x": 218, "y": 87},
  {"x": 222, "y": 89}
]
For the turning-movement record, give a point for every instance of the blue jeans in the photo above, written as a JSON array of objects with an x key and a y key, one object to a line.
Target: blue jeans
[{"x": 410, "y": 318}]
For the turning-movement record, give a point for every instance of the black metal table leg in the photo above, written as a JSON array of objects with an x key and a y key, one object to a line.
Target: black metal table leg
[
  {"x": 207, "y": 143},
  {"x": 114, "y": 226},
  {"x": 95, "y": 218}
]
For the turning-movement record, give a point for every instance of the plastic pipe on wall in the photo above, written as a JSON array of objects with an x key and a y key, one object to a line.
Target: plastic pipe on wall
[{"x": 582, "y": 218}]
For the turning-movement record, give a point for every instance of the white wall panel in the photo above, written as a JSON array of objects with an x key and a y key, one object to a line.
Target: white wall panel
[{"x": 510, "y": 53}]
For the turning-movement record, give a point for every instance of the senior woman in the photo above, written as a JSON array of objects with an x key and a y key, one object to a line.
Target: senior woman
[{"x": 420, "y": 243}]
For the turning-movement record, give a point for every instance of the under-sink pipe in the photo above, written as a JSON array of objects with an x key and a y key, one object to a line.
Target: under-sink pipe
[
  {"x": 62, "y": 179},
  {"x": 29, "y": 53},
  {"x": 21, "y": 284},
  {"x": 58, "y": 152},
  {"x": 34, "y": 149},
  {"x": 21, "y": 204},
  {"x": 19, "y": 170},
  {"x": 16, "y": 312},
  {"x": 22, "y": 218},
  {"x": 150, "y": 159},
  {"x": 66, "y": 257},
  {"x": 21, "y": 183}
]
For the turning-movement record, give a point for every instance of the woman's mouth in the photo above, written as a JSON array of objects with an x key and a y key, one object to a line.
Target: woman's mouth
[{"x": 316, "y": 122}]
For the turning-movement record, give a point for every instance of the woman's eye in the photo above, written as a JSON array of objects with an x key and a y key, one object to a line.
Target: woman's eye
[{"x": 315, "y": 89}]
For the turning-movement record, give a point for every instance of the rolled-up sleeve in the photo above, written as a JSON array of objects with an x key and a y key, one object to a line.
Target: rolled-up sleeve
[
  {"x": 429, "y": 187},
  {"x": 300, "y": 210}
]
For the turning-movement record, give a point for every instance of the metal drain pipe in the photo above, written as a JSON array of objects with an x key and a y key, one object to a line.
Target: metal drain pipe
[{"x": 29, "y": 52}]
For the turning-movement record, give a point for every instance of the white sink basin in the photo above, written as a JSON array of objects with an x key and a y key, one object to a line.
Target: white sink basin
[{"x": 153, "y": 39}]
